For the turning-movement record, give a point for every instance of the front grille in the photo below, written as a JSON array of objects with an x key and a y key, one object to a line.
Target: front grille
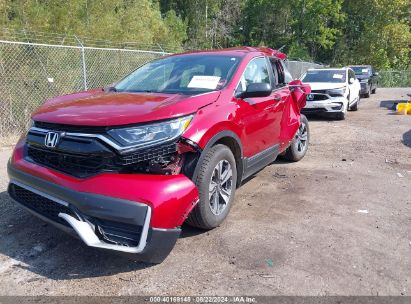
[
  {"x": 86, "y": 165},
  {"x": 312, "y": 110},
  {"x": 77, "y": 165},
  {"x": 43, "y": 206},
  {"x": 110, "y": 231},
  {"x": 148, "y": 154},
  {"x": 319, "y": 97}
]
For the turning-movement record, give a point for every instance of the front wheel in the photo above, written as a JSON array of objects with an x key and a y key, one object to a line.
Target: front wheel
[
  {"x": 340, "y": 116},
  {"x": 299, "y": 145},
  {"x": 216, "y": 183},
  {"x": 354, "y": 107}
]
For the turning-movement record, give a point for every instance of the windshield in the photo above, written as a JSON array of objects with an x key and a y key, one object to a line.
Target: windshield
[
  {"x": 186, "y": 74},
  {"x": 331, "y": 76},
  {"x": 361, "y": 70}
]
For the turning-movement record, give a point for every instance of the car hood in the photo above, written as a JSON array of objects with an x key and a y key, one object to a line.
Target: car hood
[
  {"x": 98, "y": 108},
  {"x": 325, "y": 85}
]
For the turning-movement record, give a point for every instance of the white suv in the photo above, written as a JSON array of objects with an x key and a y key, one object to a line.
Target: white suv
[{"x": 332, "y": 91}]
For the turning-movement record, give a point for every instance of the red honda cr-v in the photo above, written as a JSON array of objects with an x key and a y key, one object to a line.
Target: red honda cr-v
[{"x": 122, "y": 168}]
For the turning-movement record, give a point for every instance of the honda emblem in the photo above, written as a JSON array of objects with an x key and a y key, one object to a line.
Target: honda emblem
[{"x": 52, "y": 139}]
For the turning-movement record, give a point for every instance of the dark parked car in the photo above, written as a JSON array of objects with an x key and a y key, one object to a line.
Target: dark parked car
[{"x": 368, "y": 78}]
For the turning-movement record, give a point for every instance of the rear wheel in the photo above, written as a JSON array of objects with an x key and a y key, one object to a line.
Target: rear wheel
[
  {"x": 216, "y": 182},
  {"x": 340, "y": 116},
  {"x": 374, "y": 91},
  {"x": 299, "y": 145}
]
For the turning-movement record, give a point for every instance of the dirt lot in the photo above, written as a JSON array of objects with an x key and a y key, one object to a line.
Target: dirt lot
[{"x": 295, "y": 229}]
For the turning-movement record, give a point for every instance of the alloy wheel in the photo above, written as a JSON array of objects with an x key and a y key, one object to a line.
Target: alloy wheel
[
  {"x": 301, "y": 137},
  {"x": 221, "y": 187}
]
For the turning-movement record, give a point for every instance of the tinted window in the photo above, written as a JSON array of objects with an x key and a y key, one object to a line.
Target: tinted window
[
  {"x": 187, "y": 74},
  {"x": 337, "y": 76},
  {"x": 361, "y": 70},
  {"x": 255, "y": 72}
]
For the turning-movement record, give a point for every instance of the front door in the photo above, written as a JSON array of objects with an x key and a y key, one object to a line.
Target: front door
[{"x": 257, "y": 115}]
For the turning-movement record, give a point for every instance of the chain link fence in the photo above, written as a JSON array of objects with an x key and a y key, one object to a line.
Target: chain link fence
[
  {"x": 298, "y": 68},
  {"x": 31, "y": 73}
]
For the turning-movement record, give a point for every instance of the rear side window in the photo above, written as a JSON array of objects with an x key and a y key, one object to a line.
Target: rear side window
[
  {"x": 287, "y": 75},
  {"x": 281, "y": 74}
]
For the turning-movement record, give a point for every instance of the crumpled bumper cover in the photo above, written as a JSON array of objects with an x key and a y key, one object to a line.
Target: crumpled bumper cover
[{"x": 161, "y": 203}]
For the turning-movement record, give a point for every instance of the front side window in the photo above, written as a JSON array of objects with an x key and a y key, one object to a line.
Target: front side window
[
  {"x": 255, "y": 72},
  {"x": 185, "y": 74}
]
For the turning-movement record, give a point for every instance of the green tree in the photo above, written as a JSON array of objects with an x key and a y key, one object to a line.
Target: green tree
[
  {"x": 376, "y": 32},
  {"x": 116, "y": 20}
]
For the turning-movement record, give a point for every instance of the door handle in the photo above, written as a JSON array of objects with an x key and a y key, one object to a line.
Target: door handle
[{"x": 277, "y": 97}]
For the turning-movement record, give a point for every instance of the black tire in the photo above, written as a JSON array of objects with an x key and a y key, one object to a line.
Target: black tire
[
  {"x": 340, "y": 116},
  {"x": 294, "y": 152},
  {"x": 374, "y": 91},
  {"x": 367, "y": 95},
  {"x": 202, "y": 215},
  {"x": 354, "y": 107}
]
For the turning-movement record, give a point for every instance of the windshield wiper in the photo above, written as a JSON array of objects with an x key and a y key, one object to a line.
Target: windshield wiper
[
  {"x": 142, "y": 91},
  {"x": 109, "y": 89}
]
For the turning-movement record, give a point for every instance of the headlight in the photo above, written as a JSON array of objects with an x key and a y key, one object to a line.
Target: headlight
[
  {"x": 150, "y": 134},
  {"x": 336, "y": 92}
]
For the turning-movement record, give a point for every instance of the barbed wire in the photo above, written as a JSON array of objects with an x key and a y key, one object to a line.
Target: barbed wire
[{"x": 29, "y": 36}]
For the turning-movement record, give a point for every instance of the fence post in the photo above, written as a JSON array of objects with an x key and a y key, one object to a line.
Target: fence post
[
  {"x": 83, "y": 60},
  {"x": 161, "y": 49}
]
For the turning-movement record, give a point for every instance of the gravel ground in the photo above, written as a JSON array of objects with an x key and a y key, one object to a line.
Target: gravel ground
[{"x": 294, "y": 229}]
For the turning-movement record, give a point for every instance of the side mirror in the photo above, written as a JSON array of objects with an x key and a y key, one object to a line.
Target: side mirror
[
  {"x": 351, "y": 80},
  {"x": 298, "y": 83},
  {"x": 257, "y": 90}
]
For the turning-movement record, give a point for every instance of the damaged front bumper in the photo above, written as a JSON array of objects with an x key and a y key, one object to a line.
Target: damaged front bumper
[{"x": 130, "y": 213}]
